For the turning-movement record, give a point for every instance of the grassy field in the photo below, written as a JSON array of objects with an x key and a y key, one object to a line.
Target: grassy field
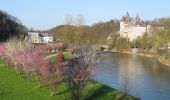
[{"x": 13, "y": 87}]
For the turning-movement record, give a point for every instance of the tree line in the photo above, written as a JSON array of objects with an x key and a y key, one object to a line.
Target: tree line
[{"x": 75, "y": 31}]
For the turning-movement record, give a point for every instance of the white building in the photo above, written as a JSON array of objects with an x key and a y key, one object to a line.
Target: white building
[
  {"x": 132, "y": 28},
  {"x": 38, "y": 37}
]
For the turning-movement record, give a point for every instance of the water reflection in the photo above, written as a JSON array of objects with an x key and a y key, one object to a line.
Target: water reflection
[{"x": 142, "y": 77}]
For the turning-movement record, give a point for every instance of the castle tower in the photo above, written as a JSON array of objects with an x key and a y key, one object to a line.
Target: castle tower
[
  {"x": 123, "y": 19},
  {"x": 127, "y": 18},
  {"x": 138, "y": 20}
]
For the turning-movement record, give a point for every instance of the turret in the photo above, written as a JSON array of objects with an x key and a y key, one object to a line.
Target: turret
[
  {"x": 127, "y": 18},
  {"x": 138, "y": 20}
]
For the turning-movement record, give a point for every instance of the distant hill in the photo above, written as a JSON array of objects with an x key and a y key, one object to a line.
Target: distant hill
[
  {"x": 160, "y": 22},
  {"x": 97, "y": 33},
  {"x": 10, "y": 26},
  {"x": 59, "y": 31}
]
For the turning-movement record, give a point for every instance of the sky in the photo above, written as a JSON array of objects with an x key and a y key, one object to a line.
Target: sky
[{"x": 46, "y": 14}]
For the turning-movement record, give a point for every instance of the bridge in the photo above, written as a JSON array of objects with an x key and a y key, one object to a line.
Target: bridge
[
  {"x": 101, "y": 46},
  {"x": 104, "y": 46}
]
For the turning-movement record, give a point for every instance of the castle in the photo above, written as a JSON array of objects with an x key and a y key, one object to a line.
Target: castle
[{"x": 132, "y": 28}]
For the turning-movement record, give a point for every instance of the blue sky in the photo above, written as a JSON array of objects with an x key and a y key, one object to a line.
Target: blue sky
[{"x": 45, "y": 14}]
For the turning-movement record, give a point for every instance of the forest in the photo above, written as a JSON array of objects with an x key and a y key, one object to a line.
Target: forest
[{"x": 10, "y": 26}]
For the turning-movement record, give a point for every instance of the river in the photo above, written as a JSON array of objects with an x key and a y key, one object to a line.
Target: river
[{"x": 142, "y": 77}]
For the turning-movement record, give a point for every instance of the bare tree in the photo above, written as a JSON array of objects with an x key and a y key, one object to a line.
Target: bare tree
[
  {"x": 69, "y": 20},
  {"x": 80, "y": 28},
  {"x": 80, "y": 20}
]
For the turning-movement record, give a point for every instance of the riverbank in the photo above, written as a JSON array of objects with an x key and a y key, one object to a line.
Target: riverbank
[
  {"x": 135, "y": 53},
  {"x": 162, "y": 59},
  {"x": 13, "y": 87}
]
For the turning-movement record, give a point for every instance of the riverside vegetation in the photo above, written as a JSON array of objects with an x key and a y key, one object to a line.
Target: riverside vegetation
[
  {"x": 155, "y": 44},
  {"x": 35, "y": 74}
]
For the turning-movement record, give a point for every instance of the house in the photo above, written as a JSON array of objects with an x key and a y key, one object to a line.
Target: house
[
  {"x": 34, "y": 37},
  {"x": 45, "y": 38},
  {"x": 39, "y": 37}
]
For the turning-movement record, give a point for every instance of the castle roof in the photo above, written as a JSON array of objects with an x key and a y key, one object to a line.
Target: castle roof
[
  {"x": 128, "y": 20},
  {"x": 138, "y": 21}
]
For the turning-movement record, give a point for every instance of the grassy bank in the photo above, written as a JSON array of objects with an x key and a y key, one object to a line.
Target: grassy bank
[
  {"x": 164, "y": 60},
  {"x": 13, "y": 87}
]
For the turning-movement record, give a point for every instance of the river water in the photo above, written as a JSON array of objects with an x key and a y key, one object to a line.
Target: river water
[{"x": 142, "y": 77}]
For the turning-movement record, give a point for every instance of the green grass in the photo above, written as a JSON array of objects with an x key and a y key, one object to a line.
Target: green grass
[
  {"x": 68, "y": 55},
  {"x": 13, "y": 87}
]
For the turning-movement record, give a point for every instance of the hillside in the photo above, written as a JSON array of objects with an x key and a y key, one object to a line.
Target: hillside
[
  {"x": 10, "y": 26},
  {"x": 97, "y": 33}
]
